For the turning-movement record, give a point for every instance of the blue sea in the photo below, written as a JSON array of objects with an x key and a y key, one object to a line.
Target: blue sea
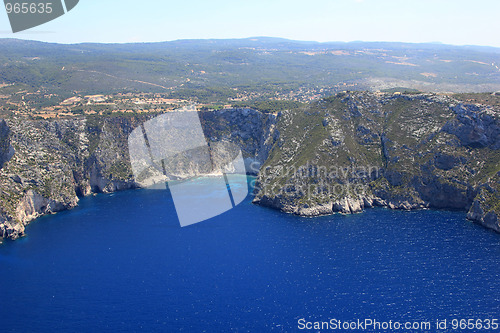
[{"x": 121, "y": 263}]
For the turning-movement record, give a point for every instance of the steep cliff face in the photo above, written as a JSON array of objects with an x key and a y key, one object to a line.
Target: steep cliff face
[
  {"x": 38, "y": 179},
  {"x": 486, "y": 205},
  {"x": 342, "y": 154},
  {"x": 56, "y": 162},
  {"x": 358, "y": 150},
  {"x": 252, "y": 131},
  {"x": 6, "y": 150}
]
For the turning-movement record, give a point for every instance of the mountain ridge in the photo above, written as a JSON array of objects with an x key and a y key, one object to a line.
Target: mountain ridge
[
  {"x": 270, "y": 40},
  {"x": 261, "y": 65}
]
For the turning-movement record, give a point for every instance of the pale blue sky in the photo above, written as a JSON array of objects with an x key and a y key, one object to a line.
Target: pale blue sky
[{"x": 448, "y": 21}]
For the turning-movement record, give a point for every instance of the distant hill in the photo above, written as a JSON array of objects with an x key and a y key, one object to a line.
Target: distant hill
[{"x": 265, "y": 65}]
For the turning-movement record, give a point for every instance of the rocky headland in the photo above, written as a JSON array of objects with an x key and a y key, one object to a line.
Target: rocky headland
[
  {"x": 341, "y": 154},
  {"x": 357, "y": 150},
  {"x": 47, "y": 165}
]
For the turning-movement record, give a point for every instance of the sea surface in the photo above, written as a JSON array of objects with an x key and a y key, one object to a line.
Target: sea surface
[{"x": 122, "y": 263}]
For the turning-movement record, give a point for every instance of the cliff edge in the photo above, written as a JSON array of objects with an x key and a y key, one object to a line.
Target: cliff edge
[
  {"x": 46, "y": 166},
  {"x": 357, "y": 150}
]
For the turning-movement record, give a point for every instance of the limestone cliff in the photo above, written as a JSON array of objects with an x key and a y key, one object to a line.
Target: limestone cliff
[
  {"x": 341, "y": 154},
  {"x": 47, "y": 165},
  {"x": 357, "y": 150}
]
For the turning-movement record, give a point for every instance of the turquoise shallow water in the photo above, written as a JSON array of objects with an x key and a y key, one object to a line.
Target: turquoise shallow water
[{"x": 121, "y": 263}]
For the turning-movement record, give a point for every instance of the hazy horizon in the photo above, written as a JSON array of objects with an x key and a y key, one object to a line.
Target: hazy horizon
[
  {"x": 16, "y": 37},
  {"x": 458, "y": 23}
]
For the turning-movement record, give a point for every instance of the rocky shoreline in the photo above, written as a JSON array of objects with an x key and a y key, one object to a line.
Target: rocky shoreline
[
  {"x": 349, "y": 206},
  {"x": 360, "y": 150},
  {"x": 46, "y": 166},
  {"x": 342, "y": 154}
]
